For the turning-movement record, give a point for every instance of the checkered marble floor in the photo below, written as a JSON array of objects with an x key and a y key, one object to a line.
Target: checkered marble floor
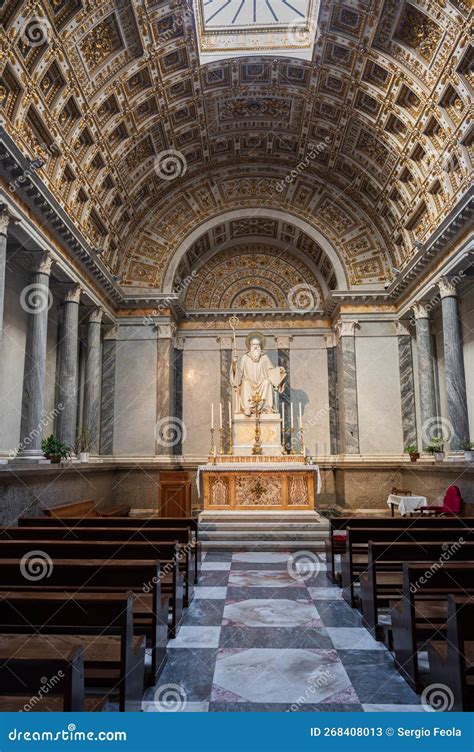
[{"x": 269, "y": 632}]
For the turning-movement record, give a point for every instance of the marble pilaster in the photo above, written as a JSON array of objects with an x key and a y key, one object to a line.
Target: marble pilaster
[
  {"x": 5, "y": 219},
  {"x": 426, "y": 379},
  {"x": 165, "y": 420},
  {"x": 178, "y": 393},
  {"x": 347, "y": 388},
  {"x": 36, "y": 300},
  {"x": 107, "y": 409},
  {"x": 91, "y": 413},
  {"x": 332, "y": 393},
  {"x": 407, "y": 385},
  {"x": 454, "y": 364},
  {"x": 68, "y": 367},
  {"x": 226, "y": 389},
  {"x": 283, "y": 354}
]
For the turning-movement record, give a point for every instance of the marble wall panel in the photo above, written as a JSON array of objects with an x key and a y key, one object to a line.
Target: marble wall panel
[{"x": 135, "y": 397}]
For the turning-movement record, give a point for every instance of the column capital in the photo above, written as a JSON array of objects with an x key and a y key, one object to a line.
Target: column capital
[
  {"x": 166, "y": 331},
  {"x": 111, "y": 333},
  {"x": 73, "y": 295},
  {"x": 43, "y": 264},
  {"x": 346, "y": 327},
  {"x": 447, "y": 287},
  {"x": 402, "y": 329},
  {"x": 283, "y": 342},
  {"x": 6, "y": 217},
  {"x": 330, "y": 340},
  {"x": 420, "y": 310},
  {"x": 95, "y": 316}
]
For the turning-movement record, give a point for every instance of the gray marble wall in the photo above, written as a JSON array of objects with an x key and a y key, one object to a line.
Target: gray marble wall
[
  {"x": 108, "y": 396},
  {"x": 347, "y": 395},
  {"x": 407, "y": 390}
]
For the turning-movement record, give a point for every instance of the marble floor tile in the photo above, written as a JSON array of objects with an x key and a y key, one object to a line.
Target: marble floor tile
[
  {"x": 191, "y": 671},
  {"x": 375, "y": 679},
  {"x": 338, "y": 614},
  {"x": 262, "y": 557},
  {"x": 290, "y": 593},
  {"x": 368, "y": 708},
  {"x": 274, "y": 612},
  {"x": 209, "y": 593},
  {"x": 353, "y": 638},
  {"x": 218, "y": 556},
  {"x": 259, "y": 707},
  {"x": 204, "y": 612},
  {"x": 288, "y": 676},
  {"x": 175, "y": 706},
  {"x": 256, "y": 578},
  {"x": 277, "y": 637},
  {"x": 196, "y": 637},
  {"x": 215, "y": 566},
  {"x": 213, "y": 578}
]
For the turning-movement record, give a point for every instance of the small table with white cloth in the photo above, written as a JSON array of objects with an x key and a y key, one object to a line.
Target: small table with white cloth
[{"x": 406, "y": 504}]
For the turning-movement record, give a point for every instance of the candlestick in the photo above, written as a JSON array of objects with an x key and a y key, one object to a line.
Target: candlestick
[
  {"x": 291, "y": 416},
  {"x": 283, "y": 438},
  {"x": 212, "y": 450}
]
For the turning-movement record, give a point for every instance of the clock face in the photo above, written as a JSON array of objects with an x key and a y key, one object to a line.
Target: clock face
[{"x": 234, "y": 14}]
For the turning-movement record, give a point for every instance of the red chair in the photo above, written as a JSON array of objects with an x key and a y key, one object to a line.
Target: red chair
[{"x": 452, "y": 504}]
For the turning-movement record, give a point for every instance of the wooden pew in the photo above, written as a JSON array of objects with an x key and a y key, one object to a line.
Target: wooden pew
[
  {"x": 166, "y": 553},
  {"x": 40, "y": 680},
  {"x": 100, "y": 623},
  {"x": 354, "y": 561},
  {"x": 119, "y": 512},
  {"x": 421, "y": 614},
  {"x": 452, "y": 660},
  {"x": 335, "y": 544},
  {"x": 158, "y": 523},
  {"x": 84, "y": 508},
  {"x": 150, "y": 607},
  {"x": 383, "y": 580},
  {"x": 119, "y": 535}
]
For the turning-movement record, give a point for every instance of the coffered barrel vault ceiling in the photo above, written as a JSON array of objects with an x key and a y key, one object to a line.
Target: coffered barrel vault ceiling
[{"x": 364, "y": 149}]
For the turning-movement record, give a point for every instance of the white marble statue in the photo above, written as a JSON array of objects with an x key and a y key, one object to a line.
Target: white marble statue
[{"x": 255, "y": 374}]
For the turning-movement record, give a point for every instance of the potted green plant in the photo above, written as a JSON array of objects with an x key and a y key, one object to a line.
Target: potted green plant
[
  {"x": 55, "y": 450},
  {"x": 469, "y": 451},
  {"x": 84, "y": 445},
  {"x": 436, "y": 448},
  {"x": 412, "y": 450}
]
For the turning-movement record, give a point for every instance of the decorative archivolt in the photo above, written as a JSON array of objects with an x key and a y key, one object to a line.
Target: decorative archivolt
[
  {"x": 99, "y": 91},
  {"x": 253, "y": 276}
]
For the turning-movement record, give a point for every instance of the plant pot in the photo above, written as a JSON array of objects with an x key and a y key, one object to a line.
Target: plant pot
[
  {"x": 84, "y": 456},
  {"x": 53, "y": 458},
  {"x": 439, "y": 456},
  {"x": 469, "y": 455},
  {"x": 414, "y": 456}
]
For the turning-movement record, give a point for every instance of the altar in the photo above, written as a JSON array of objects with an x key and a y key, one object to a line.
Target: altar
[{"x": 263, "y": 483}]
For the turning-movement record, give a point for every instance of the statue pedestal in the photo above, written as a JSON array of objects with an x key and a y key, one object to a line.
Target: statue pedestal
[{"x": 270, "y": 434}]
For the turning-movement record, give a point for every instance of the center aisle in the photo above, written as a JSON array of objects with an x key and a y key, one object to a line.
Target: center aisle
[{"x": 264, "y": 634}]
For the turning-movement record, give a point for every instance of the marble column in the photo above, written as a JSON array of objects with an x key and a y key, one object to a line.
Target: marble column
[
  {"x": 107, "y": 408},
  {"x": 347, "y": 388},
  {"x": 91, "y": 413},
  {"x": 178, "y": 392},
  {"x": 283, "y": 354},
  {"x": 226, "y": 390},
  {"x": 5, "y": 219},
  {"x": 167, "y": 429},
  {"x": 68, "y": 367},
  {"x": 36, "y": 300},
  {"x": 407, "y": 385},
  {"x": 454, "y": 364},
  {"x": 426, "y": 379},
  {"x": 333, "y": 401}
]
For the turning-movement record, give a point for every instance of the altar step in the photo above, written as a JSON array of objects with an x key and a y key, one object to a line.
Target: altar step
[{"x": 262, "y": 531}]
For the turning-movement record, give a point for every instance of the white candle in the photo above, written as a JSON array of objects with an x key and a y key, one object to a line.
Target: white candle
[
  {"x": 283, "y": 415},
  {"x": 300, "y": 415},
  {"x": 220, "y": 414},
  {"x": 230, "y": 414},
  {"x": 212, "y": 414},
  {"x": 291, "y": 415}
]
